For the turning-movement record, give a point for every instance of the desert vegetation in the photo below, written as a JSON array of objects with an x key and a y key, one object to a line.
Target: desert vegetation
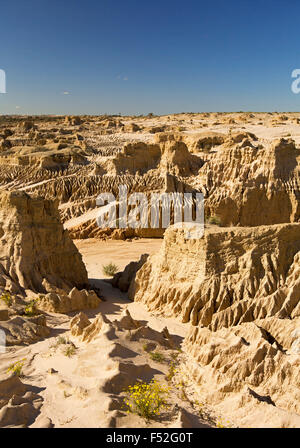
[
  {"x": 110, "y": 269},
  {"x": 146, "y": 399}
]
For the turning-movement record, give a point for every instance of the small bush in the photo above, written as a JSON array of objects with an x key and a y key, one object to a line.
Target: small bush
[
  {"x": 221, "y": 424},
  {"x": 7, "y": 298},
  {"x": 16, "y": 368},
  {"x": 149, "y": 347},
  {"x": 181, "y": 386},
  {"x": 61, "y": 340},
  {"x": 146, "y": 399},
  {"x": 174, "y": 355},
  {"x": 69, "y": 351},
  {"x": 31, "y": 309},
  {"x": 158, "y": 357},
  {"x": 214, "y": 220},
  {"x": 172, "y": 371},
  {"x": 110, "y": 269}
]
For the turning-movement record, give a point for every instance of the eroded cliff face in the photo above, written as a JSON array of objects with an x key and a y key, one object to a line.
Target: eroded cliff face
[
  {"x": 37, "y": 254},
  {"x": 230, "y": 276},
  {"x": 250, "y": 184},
  {"x": 250, "y": 371},
  {"x": 240, "y": 289}
]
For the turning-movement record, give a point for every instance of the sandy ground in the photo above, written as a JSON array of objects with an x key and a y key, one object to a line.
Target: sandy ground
[
  {"x": 87, "y": 388},
  {"x": 97, "y": 253}
]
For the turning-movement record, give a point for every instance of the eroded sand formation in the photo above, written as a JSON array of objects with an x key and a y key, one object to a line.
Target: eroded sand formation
[
  {"x": 239, "y": 288},
  {"x": 40, "y": 263},
  {"x": 36, "y": 252},
  {"x": 224, "y": 309}
]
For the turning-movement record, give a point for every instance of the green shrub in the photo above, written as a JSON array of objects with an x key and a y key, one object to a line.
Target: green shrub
[
  {"x": 158, "y": 357},
  {"x": 146, "y": 399},
  {"x": 7, "y": 298},
  {"x": 30, "y": 309},
  {"x": 61, "y": 340},
  {"x": 110, "y": 269},
  {"x": 69, "y": 351},
  {"x": 16, "y": 368},
  {"x": 214, "y": 220},
  {"x": 172, "y": 371}
]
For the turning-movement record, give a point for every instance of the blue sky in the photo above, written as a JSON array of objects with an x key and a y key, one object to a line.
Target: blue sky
[{"x": 134, "y": 57}]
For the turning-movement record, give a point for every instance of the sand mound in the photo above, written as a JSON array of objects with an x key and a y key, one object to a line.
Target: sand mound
[
  {"x": 134, "y": 157},
  {"x": 18, "y": 407},
  {"x": 21, "y": 330},
  {"x": 62, "y": 303},
  {"x": 176, "y": 158},
  {"x": 204, "y": 141}
]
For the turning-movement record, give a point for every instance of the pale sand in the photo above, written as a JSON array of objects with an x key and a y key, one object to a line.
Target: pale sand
[
  {"x": 97, "y": 253},
  {"x": 80, "y": 392}
]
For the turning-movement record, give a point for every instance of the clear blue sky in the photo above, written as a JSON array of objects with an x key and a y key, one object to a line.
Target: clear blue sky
[{"x": 135, "y": 57}]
